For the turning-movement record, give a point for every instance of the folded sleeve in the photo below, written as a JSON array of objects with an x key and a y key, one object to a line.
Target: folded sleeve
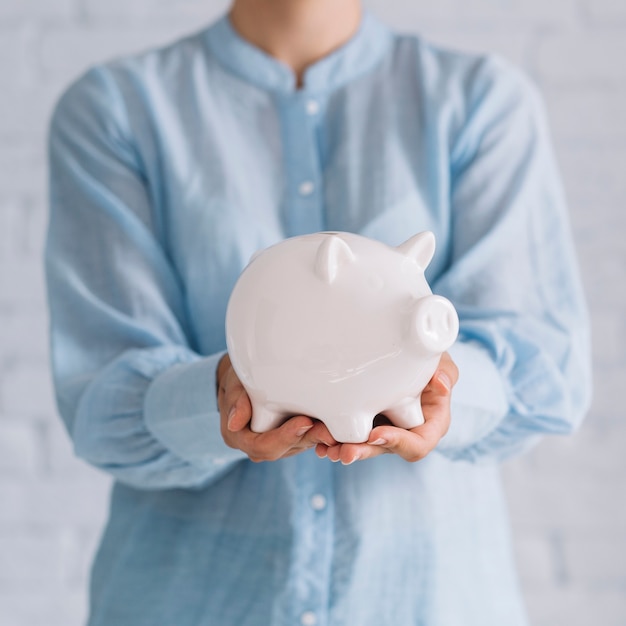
[
  {"x": 138, "y": 400},
  {"x": 523, "y": 349}
]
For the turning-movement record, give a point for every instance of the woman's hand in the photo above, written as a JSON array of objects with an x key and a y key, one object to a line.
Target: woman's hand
[
  {"x": 296, "y": 435},
  {"x": 414, "y": 444}
]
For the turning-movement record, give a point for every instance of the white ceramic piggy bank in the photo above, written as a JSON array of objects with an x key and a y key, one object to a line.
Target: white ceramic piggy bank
[{"x": 338, "y": 327}]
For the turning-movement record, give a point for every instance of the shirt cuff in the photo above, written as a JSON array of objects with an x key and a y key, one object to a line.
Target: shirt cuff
[
  {"x": 479, "y": 401},
  {"x": 180, "y": 410}
]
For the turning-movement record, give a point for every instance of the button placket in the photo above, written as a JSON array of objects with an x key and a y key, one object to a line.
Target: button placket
[
  {"x": 306, "y": 188},
  {"x": 313, "y": 540},
  {"x": 308, "y": 618},
  {"x": 312, "y": 107},
  {"x": 304, "y": 211},
  {"x": 318, "y": 502}
]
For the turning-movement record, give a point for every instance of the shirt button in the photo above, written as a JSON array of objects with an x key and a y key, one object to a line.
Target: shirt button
[
  {"x": 308, "y": 618},
  {"x": 318, "y": 502},
  {"x": 312, "y": 107},
  {"x": 306, "y": 188}
]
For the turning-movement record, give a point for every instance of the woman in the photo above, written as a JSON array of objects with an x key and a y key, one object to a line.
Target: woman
[{"x": 168, "y": 170}]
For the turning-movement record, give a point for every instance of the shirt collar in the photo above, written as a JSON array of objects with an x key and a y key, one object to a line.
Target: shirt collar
[{"x": 355, "y": 57}]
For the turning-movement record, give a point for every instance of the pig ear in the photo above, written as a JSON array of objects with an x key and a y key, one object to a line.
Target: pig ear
[
  {"x": 256, "y": 255},
  {"x": 332, "y": 254},
  {"x": 420, "y": 247}
]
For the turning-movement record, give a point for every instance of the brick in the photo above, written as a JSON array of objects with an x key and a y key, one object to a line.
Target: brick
[
  {"x": 69, "y": 51},
  {"x": 23, "y": 170},
  {"x": 29, "y": 557},
  {"x": 23, "y": 10},
  {"x": 574, "y": 60},
  {"x": 609, "y": 336},
  {"x": 60, "y": 453},
  {"x": 20, "y": 448},
  {"x": 43, "y": 606},
  {"x": 194, "y": 12},
  {"x": 25, "y": 113},
  {"x": 563, "y": 504},
  {"x": 13, "y": 55},
  {"x": 606, "y": 12},
  {"x": 57, "y": 557},
  {"x": 534, "y": 558},
  {"x": 506, "y": 41},
  {"x": 586, "y": 118},
  {"x": 26, "y": 390},
  {"x": 22, "y": 282},
  {"x": 11, "y": 230},
  {"x": 23, "y": 174},
  {"x": 79, "y": 549},
  {"x": 576, "y": 606},
  {"x": 570, "y": 458},
  {"x": 23, "y": 222},
  {"x": 24, "y": 334},
  {"x": 35, "y": 226},
  {"x": 596, "y": 560},
  {"x": 410, "y": 14},
  {"x": 603, "y": 261},
  {"x": 596, "y": 188},
  {"x": 400, "y": 14},
  {"x": 608, "y": 407},
  {"x": 81, "y": 500},
  {"x": 571, "y": 484}
]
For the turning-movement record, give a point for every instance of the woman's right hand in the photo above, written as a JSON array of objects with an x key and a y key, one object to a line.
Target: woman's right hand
[{"x": 296, "y": 435}]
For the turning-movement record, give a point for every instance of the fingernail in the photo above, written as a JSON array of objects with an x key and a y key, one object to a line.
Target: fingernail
[
  {"x": 379, "y": 442},
  {"x": 442, "y": 377},
  {"x": 229, "y": 419},
  {"x": 303, "y": 430},
  {"x": 356, "y": 458}
]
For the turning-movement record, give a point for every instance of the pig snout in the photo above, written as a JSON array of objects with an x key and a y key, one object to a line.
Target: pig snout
[{"x": 435, "y": 324}]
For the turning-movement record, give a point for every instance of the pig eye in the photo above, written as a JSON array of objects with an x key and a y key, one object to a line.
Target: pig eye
[{"x": 376, "y": 282}]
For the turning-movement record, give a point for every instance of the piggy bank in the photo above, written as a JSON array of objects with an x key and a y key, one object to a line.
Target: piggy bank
[{"x": 340, "y": 328}]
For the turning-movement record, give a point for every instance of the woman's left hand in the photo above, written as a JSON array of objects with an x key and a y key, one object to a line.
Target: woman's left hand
[{"x": 414, "y": 444}]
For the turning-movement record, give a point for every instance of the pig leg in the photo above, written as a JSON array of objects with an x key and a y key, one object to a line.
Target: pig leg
[
  {"x": 408, "y": 414},
  {"x": 265, "y": 418},
  {"x": 351, "y": 428}
]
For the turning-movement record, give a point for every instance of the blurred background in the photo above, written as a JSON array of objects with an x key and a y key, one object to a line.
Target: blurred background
[{"x": 567, "y": 497}]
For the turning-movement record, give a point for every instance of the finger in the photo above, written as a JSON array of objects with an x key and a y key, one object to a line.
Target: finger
[
  {"x": 276, "y": 443},
  {"x": 436, "y": 409},
  {"x": 234, "y": 419},
  {"x": 445, "y": 377},
  {"x": 223, "y": 367},
  {"x": 409, "y": 445},
  {"x": 231, "y": 386},
  {"x": 320, "y": 434},
  {"x": 348, "y": 453},
  {"x": 321, "y": 450},
  {"x": 234, "y": 401},
  {"x": 239, "y": 413},
  {"x": 416, "y": 443}
]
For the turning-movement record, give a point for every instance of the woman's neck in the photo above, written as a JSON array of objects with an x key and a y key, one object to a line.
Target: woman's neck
[{"x": 296, "y": 32}]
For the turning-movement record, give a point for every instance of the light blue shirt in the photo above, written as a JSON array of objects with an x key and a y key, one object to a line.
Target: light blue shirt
[{"x": 168, "y": 171}]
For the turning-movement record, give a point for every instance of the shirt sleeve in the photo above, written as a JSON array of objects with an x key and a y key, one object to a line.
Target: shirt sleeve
[
  {"x": 138, "y": 401},
  {"x": 523, "y": 349}
]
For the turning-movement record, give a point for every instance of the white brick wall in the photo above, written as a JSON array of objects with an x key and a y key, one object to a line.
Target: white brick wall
[
  {"x": 567, "y": 500},
  {"x": 606, "y": 12}
]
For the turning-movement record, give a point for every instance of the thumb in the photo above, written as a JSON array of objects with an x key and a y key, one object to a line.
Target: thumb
[
  {"x": 240, "y": 413},
  {"x": 442, "y": 383}
]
